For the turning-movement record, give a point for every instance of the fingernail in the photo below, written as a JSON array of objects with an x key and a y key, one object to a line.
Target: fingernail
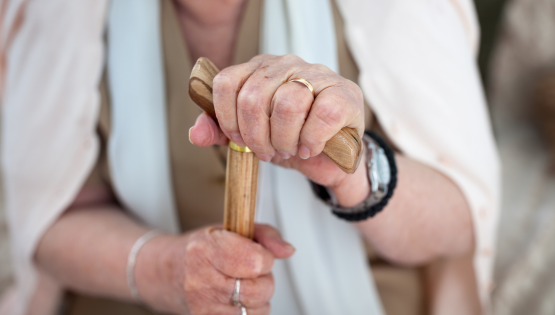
[
  {"x": 304, "y": 152},
  {"x": 236, "y": 137},
  {"x": 191, "y": 140},
  {"x": 289, "y": 246},
  {"x": 284, "y": 155},
  {"x": 265, "y": 157},
  {"x": 258, "y": 264}
]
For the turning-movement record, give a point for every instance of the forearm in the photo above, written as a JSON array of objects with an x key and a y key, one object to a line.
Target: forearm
[
  {"x": 86, "y": 250},
  {"x": 427, "y": 217}
]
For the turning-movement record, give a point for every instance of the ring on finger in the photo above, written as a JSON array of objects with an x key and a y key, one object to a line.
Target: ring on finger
[
  {"x": 235, "y": 297},
  {"x": 306, "y": 83}
]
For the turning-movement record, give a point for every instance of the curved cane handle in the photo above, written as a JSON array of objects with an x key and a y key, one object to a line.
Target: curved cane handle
[{"x": 344, "y": 149}]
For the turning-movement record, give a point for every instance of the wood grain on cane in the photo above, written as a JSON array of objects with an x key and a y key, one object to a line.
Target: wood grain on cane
[
  {"x": 200, "y": 85},
  {"x": 240, "y": 192},
  {"x": 344, "y": 149}
]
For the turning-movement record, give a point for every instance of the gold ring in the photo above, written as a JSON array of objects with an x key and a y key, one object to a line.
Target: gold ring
[
  {"x": 306, "y": 83},
  {"x": 233, "y": 146}
]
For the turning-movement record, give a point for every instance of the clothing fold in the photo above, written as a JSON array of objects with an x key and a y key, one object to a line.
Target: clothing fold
[
  {"x": 138, "y": 146},
  {"x": 417, "y": 71},
  {"x": 50, "y": 107}
]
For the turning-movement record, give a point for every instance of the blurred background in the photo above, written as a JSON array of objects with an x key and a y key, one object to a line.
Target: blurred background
[
  {"x": 5, "y": 267},
  {"x": 516, "y": 59}
]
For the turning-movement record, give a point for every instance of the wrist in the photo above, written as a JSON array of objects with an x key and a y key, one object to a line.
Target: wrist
[
  {"x": 378, "y": 187},
  {"x": 152, "y": 273},
  {"x": 355, "y": 188}
]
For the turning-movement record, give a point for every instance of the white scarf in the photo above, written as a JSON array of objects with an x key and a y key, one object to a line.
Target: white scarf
[{"x": 329, "y": 272}]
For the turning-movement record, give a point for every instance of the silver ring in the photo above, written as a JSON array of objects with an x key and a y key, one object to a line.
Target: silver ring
[{"x": 235, "y": 297}]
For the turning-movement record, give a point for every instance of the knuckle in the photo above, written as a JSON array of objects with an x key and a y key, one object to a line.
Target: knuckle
[
  {"x": 249, "y": 100},
  {"x": 320, "y": 68},
  {"x": 291, "y": 58},
  {"x": 286, "y": 106},
  {"x": 254, "y": 262},
  {"x": 254, "y": 265},
  {"x": 224, "y": 82},
  {"x": 262, "y": 57},
  {"x": 253, "y": 119},
  {"x": 330, "y": 114},
  {"x": 195, "y": 247}
]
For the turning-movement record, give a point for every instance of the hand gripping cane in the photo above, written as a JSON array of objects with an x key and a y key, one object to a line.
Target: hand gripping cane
[{"x": 344, "y": 149}]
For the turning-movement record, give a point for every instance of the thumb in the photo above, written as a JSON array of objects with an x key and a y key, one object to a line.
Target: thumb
[
  {"x": 206, "y": 132},
  {"x": 271, "y": 239}
]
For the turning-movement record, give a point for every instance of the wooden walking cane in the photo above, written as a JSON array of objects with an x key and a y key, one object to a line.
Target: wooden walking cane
[{"x": 344, "y": 149}]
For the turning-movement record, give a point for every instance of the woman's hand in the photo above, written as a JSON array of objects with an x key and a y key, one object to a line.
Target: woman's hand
[
  {"x": 280, "y": 121},
  {"x": 200, "y": 269}
]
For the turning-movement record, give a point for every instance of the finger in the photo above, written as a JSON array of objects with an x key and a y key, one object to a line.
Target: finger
[
  {"x": 333, "y": 109},
  {"x": 271, "y": 239},
  {"x": 236, "y": 310},
  {"x": 206, "y": 286},
  {"x": 200, "y": 308},
  {"x": 236, "y": 256},
  {"x": 206, "y": 132},
  {"x": 255, "y": 293},
  {"x": 254, "y": 103},
  {"x": 290, "y": 106},
  {"x": 263, "y": 310},
  {"x": 226, "y": 87}
]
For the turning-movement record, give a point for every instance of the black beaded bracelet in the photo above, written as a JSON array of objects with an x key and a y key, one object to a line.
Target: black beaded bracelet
[{"x": 366, "y": 209}]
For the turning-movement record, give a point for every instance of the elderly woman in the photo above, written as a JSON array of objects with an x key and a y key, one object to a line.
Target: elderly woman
[{"x": 92, "y": 163}]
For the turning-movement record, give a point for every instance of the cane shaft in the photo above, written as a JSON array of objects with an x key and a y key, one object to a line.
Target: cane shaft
[{"x": 240, "y": 192}]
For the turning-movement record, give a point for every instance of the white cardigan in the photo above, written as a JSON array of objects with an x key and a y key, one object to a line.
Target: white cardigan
[{"x": 417, "y": 70}]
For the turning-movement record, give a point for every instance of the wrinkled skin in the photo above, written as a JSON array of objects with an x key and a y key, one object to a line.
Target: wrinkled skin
[
  {"x": 283, "y": 123},
  {"x": 201, "y": 267},
  {"x": 279, "y": 120}
]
